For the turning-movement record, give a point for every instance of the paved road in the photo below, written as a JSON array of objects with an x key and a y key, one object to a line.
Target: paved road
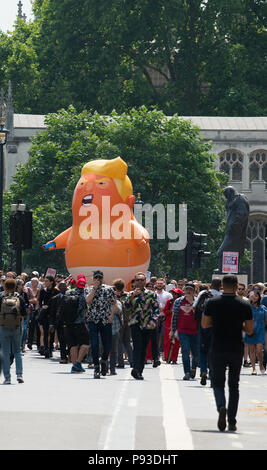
[{"x": 57, "y": 410}]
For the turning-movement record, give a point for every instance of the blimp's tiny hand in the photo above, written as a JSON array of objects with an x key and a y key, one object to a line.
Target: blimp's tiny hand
[{"x": 49, "y": 246}]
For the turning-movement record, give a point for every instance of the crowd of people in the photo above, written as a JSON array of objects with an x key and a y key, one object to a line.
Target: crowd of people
[{"x": 108, "y": 327}]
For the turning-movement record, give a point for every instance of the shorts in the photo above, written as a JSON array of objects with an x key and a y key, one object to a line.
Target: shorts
[{"x": 76, "y": 335}]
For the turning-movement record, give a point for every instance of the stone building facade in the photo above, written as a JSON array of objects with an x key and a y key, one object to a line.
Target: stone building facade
[{"x": 240, "y": 145}]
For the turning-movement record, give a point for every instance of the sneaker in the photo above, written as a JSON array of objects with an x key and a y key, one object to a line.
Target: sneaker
[
  {"x": 156, "y": 363},
  {"x": 46, "y": 354},
  {"x": 232, "y": 427},
  {"x": 7, "y": 382},
  {"x": 203, "y": 380},
  {"x": 222, "y": 419},
  {"x": 136, "y": 375},
  {"x": 29, "y": 346},
  {"x": 20, "y": 379},
  {"x": 104, "y": 367},
  {"x": 187, "y": 376},
  {"x": 246, "y": 364},
  {"x": 78, "y": 367},
  {"x": 96, "y": 374}
]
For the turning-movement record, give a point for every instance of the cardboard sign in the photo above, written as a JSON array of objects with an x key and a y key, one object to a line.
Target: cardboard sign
[{"x": 230, "y": 262}]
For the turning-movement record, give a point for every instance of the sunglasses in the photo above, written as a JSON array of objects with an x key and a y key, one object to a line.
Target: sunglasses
[{"x": 138, "y": 280}]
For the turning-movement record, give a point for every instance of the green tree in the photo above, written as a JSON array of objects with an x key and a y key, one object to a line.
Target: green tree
[
  {"x": 190, "y": 57},
  {"x": 168, "y": 163},
  {"x": 19, "y": 63}
]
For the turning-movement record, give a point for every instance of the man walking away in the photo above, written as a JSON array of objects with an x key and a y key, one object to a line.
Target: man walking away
[
  {"x": 228, "y": 315},
  {"x": 12, "y": 309}
]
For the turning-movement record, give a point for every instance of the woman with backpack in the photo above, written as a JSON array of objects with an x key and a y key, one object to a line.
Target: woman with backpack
[{"x": 12, "y": 310}]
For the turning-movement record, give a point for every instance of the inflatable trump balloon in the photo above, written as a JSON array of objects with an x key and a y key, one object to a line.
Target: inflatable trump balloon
[{"x": 105, "y": 234}]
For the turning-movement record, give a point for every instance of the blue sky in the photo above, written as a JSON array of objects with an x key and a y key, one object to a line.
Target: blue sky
[{"x": 9, "y": 10}]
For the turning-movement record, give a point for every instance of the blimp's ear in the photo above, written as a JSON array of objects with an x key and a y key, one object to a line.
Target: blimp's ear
[{"x": 130, "y": 200}]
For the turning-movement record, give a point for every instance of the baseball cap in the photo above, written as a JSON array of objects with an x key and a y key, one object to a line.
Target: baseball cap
[
  {"x": 190, "y": 285},
  {"x": 98, "y": 273},
  {"x": 177, "y": 291},
  {"x": 81, "y": 283},
  {"x": 36, "y": 274}
]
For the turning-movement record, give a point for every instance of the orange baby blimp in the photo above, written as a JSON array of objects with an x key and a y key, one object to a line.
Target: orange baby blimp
[{"x": 105, "y": 234}]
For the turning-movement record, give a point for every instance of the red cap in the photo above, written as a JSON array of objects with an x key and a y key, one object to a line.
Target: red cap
[
  {"x": 81, "y": 283},
  {"x": 177, "y": 291}
]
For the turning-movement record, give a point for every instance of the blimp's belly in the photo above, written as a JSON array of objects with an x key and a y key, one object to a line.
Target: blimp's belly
[{"x": 110, "y": 253}]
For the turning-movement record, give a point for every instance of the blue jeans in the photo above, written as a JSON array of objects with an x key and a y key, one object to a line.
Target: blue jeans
[
  {"x": 106, "y": 338},
  {"x": 189, "y": 343},
  {"x": 24, "y": 332},
  {"x": 205, "y": 337},
  {"x": 10, "y": 341}
]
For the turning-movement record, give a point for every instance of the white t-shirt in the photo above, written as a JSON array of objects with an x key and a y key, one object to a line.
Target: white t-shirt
[{"x": 163, "y": 296}]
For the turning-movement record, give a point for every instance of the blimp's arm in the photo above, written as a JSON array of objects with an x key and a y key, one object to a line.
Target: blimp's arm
[{"x": 59, "y": 242}]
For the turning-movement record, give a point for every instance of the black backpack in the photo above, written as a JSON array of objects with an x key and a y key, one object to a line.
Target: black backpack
[
  {"x": 201, "y": 303},
  {"x": 69, "y": 309}
]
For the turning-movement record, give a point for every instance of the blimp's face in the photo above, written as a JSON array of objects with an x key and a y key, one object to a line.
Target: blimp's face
[{"x": 94, "y": 189}]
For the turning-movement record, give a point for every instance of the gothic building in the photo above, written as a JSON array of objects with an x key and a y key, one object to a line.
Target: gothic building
[{"x": 240, "y": 145}]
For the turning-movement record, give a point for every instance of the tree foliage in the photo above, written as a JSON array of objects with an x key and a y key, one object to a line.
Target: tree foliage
[
  {"x": 190, "y": 57},
  {"x": 168, "y": 163}
]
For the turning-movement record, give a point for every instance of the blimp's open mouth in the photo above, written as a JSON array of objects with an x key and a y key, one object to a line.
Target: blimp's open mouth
[{"x": 87, "y": 200}]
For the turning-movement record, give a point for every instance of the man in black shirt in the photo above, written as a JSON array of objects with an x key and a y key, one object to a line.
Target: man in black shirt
[{"x": 228, "y": 315}]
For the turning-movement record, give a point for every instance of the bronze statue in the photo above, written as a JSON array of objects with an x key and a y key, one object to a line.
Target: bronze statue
[{"x": 237, "y": 211}]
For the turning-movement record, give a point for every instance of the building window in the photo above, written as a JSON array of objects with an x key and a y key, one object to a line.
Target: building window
[
  {"x": 258, "y": 166},
  {"x": 231, "y": 163},
  {"x": 256, "y": 244}
]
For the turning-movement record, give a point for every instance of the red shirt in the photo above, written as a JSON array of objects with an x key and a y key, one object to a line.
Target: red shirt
[{"x": 186, "y": 322}]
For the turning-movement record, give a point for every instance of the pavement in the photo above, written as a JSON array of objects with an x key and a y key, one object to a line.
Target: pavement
[{"x": 57, "y": 410}]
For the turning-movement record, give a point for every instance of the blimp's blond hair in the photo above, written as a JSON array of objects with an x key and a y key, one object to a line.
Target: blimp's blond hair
[{"x": 116, "y": 169}]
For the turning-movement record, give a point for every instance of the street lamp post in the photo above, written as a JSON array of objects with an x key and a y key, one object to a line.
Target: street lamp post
[
  {"x": 18, "y": 211},
  {"x": 3, "y": 140}
]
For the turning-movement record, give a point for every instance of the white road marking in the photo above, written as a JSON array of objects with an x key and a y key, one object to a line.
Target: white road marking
[
  {"x": 120, "y": 434},
  {"x": 132, "y": 402},
  {"x": 178, "y": 435},
  {"x": 237, "y": 445}
]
